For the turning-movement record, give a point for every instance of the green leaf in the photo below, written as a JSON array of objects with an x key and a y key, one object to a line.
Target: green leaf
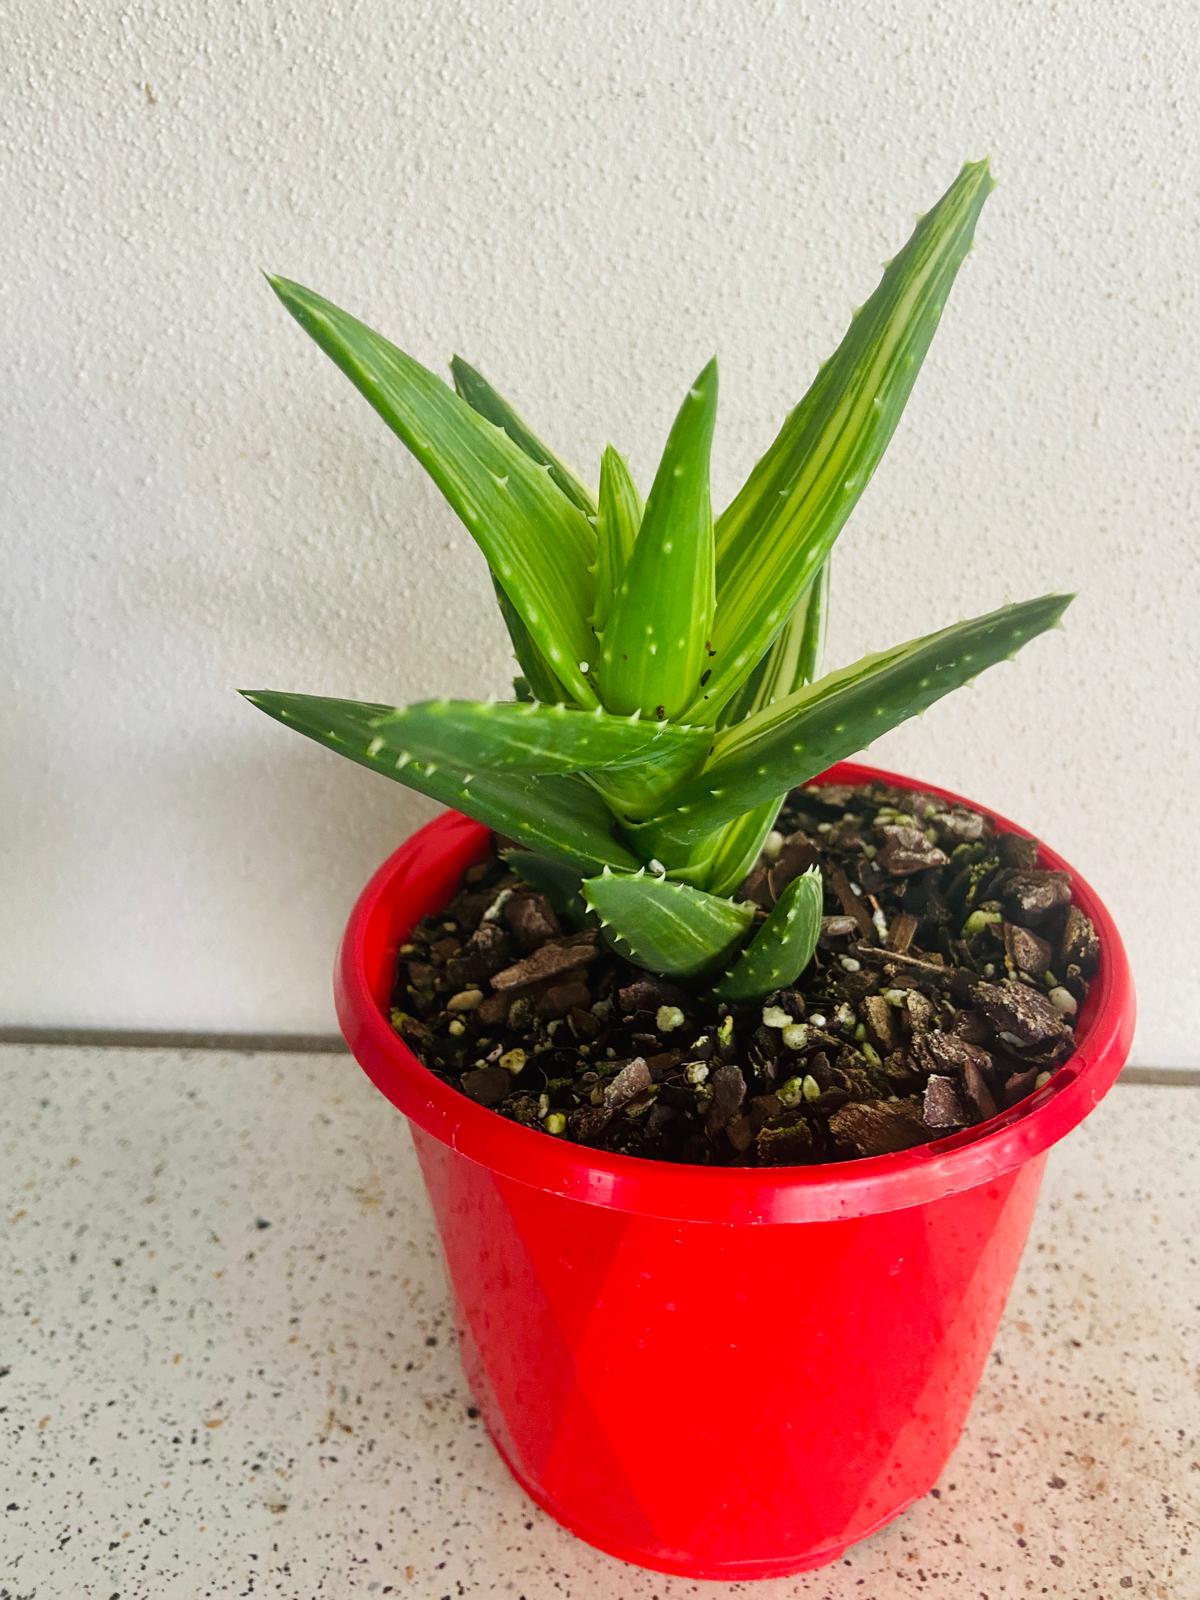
[
  {"x": 539, "y": 544},
  {"x": 719, "y": 865},
  {"x": 655, "y": 642},
  {"x": 782, "y": 947},
  {"x": 561, "y": 885},
  {"x": 668, "y": 927},
  {"x": 782, "y": 524},
  {"x": 798, "y": 737},
  {"x": 721, "y": 861},
  {"x": 638, "y": 791},
  {"x": 538, "y": 677},
  {"x": 496, "y": 735},
  {"x": 481, "y": 397},
  {"x": 557, "y": 815},
  {"x": 617, "y": 524},
  {"x": 792, "y": 660},
  {"x": 811, "y": 649}
]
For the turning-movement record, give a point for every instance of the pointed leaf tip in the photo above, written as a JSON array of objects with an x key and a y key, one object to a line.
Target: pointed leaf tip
[
  {"x": 979, "y": 172},
  {"x": 783, "y": 946},
  {"x": 666, "y": 591},
  {"x": 787, "y": 743},
  {"x": 668, "y": 928},
  {"x": 488, "y": 403},
  {"x": 707, "y": 378},
  {"x": 781, "y": 525},
  {"x": 537, "y": 540},
  {"x": 617, "y": 522}
]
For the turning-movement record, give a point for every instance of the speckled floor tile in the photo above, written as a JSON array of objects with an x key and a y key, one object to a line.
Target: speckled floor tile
[{"x": 226, "y": 1364}]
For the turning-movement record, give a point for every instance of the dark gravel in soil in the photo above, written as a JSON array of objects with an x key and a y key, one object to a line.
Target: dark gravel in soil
[{"x": 943, "y": 990}]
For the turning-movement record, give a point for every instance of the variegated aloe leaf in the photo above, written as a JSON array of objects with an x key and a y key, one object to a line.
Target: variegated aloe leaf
[
  {"x": 556, "y": 815},
  {"x": 481, "y": 397},
  {"x": 617, "y": 524},
  {"x": 642, "y": 789},
  {"x": 792, "y": 660},
  {"x": 539, "y": 680},
  {"x": 810, "y": 648},
  {"x": 561, "y": 885},
  {"x": 782, "y": 948},
  {"x": 538, "y": 543},
  {"x": 720, "y": 864},
  {"x": 780, "y": 527},
  {"x": 798, "y": 737},
  {"x": 655, "y": 641},
  {"x": 474, "y": 388},
  {"x": 668, "y": 927},
  {"x": 493, "y": 735}
]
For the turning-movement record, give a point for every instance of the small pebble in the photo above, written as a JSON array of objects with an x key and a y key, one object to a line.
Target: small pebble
[
  {"x": 1063, "y": 1001},
  {"x": 877, "y": 999}
]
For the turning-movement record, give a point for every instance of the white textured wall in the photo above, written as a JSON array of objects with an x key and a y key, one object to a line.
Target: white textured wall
[{"x": 587, "y": 201}]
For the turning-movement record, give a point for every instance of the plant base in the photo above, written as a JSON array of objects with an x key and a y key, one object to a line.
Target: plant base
[{"x": 943, "y": 990}]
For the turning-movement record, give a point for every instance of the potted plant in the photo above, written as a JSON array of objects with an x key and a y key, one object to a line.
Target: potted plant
[{"x": 731, "y": 1068}]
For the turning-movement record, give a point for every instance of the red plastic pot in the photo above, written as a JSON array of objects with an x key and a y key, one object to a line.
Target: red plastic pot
[{"x": 728, "y": 1373}]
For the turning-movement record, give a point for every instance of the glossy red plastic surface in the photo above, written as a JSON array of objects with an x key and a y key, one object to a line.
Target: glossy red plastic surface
[{"x": 727, "y": 1373}]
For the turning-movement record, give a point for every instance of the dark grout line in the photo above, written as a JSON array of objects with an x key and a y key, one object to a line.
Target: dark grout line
[
  {"x": 313, "y": 1044},
  {"x": 1171, "y": 1077},
  {"x": 301, "y": 1044}
]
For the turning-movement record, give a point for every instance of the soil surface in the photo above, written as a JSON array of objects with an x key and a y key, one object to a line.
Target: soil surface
[{"x": 944, "y": 988}]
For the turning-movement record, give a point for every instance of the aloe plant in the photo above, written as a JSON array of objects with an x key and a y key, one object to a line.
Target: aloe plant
[{"x": 669, "y": 694}]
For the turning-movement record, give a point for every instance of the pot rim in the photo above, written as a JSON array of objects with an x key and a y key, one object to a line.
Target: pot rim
[{"x": 682, "y": 1191}]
